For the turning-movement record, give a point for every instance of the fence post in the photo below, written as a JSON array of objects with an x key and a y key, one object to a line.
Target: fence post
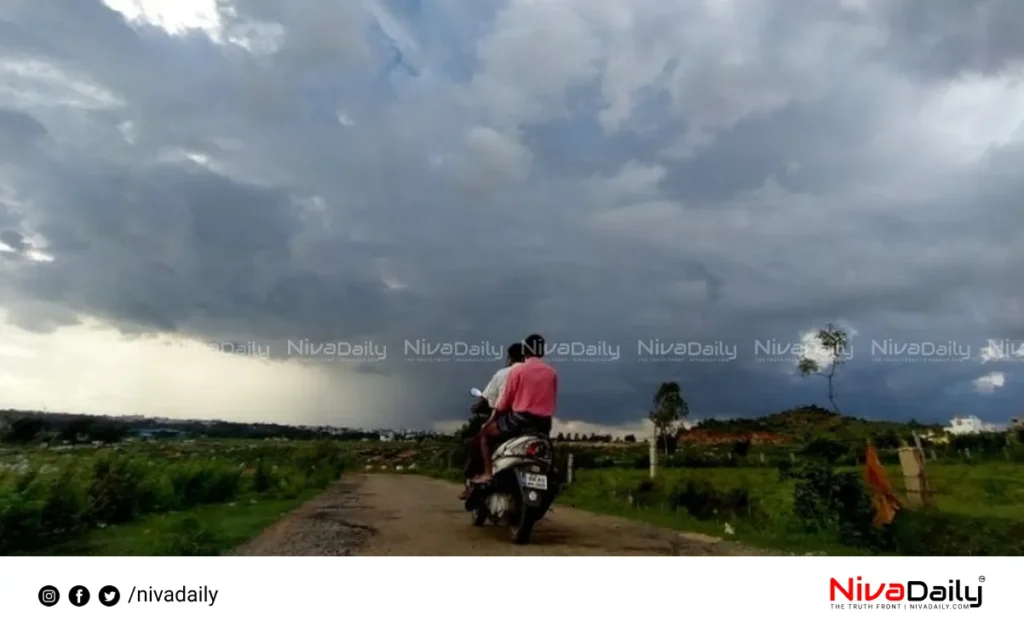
[
  {"x": 568, "y": 474},
  {"x": 934, "y": 456},
  {"x": 915, "y": 478},
  {"x": 762, "y": 458},
  {"x": 654, "y": 456}
]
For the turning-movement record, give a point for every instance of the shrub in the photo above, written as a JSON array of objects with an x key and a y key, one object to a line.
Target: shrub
[
  {"x": 646, "y": 494},
  {"x": 113, "y": 492},
  {"x": 188, "y": 537},
  {"x": 703, "y": 501},
  {"x": 262, "y": 478},
  {"x": 210, "y": 482},
  {"x": 824, "y": 500},
  {"x": 741, "y": 448},
  {"x": 64, "y": 506},
  {"x": 933, "y": 533},
  {"x": 826, "y": 449}
]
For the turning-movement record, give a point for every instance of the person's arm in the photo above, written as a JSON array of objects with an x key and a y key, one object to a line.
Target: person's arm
[
  {"x": 480, "y": 406},
  {"x": 554, "y": 397},
  {"x": 492, "y": 390},
  {"x": 484, "y": 401},
  {"x": 508, "y": 394}
]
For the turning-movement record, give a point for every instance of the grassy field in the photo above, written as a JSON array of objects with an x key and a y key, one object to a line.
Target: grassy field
[
  {"x": 171, "y": 498},
  {"x": 175, "y": 497},
  {"x": 978, "y": 503},
  {"x": 205, "y": 531},
  {"x": 982, "y": 491}
]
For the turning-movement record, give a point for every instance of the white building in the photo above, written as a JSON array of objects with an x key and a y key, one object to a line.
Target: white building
[{"x": 968, "y": 424}]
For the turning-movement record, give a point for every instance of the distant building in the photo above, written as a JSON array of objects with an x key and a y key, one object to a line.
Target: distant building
[{"x": 967, "y": 425}]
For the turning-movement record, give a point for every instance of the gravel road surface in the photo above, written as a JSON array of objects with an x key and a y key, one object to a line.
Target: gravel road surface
[{"x": 407, "y": 515}]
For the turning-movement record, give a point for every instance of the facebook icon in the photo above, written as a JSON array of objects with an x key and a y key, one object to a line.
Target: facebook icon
[{"x": 79, "y": 596}]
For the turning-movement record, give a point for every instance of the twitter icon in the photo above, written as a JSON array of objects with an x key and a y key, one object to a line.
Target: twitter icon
[{"x": 109, "y": 596}]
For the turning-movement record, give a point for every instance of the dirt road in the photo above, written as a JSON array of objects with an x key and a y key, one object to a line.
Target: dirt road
[{"x": 405, "y": 515}]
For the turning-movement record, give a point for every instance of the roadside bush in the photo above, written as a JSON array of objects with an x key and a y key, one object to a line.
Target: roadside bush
[
  {"x": 262, "y": 477},
  {"x": 699, "y": 459},
  {"x": 19, "y": 522},
  {"x": 188, "y": 537},
  {"x": 741, "y": 448},
  {"x": 703, "y": 501},
  {"x": 44, "y": 505},
  {"x": 209, "y": 482},
  {"x": 988, "y": 443},
  {"x": 933, "y": 533},
  {"x": 826, "y": 449},
  {"x": 291, "y": 483},
  {"x": 114, "y": 490},
  {"x": 64, "y": 506},
  {"x": 827, "y": 501},
  {"x": 156, "y": 492},
  {"x": 647, "y": 494}
]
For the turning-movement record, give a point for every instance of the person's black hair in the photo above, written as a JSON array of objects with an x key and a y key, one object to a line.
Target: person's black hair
[
  {"x": 515, "y": 353},
  {"x": 533, "y": 346}
]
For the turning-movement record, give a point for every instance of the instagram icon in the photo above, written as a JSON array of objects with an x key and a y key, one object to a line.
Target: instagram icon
[{"x": 49, "y": 596}]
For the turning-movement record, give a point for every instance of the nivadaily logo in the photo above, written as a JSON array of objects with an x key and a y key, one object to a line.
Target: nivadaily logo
[{"x": 913, "y": 594}]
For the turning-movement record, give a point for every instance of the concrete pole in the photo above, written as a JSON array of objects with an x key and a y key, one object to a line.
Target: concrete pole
[{"x": 654, "y": 454}]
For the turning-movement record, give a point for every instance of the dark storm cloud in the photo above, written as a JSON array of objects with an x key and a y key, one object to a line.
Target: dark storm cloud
[
  {"x": 683, "y": 174},
  {"x": 946, "y": 37}
]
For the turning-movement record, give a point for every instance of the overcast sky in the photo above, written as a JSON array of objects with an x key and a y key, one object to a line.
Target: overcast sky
[{"x": 188, "y": 185}]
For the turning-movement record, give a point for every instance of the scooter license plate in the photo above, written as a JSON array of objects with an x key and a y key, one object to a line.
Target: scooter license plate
[{"x": 538, "y": 482}]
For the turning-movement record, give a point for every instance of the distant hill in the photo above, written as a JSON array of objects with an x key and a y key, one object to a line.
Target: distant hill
[{"x": 809, "y": 421}]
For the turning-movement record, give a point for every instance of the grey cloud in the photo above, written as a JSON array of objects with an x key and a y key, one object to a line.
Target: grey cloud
[
  {"x": 947, "y": 38},
  {"x": 456, "y": 208},
  {"x": 17, "y": 131}
]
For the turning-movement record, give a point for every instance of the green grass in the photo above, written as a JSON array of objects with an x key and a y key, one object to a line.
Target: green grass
[
  {"x": 208, "y": 530},
  {"x": 607, "y": 492},
  {"x": 178, "y": 498},
  {"x": 985, "y": 490},
  {"x": 205, "y": 497},
  {"x": 992, "y": 492}
]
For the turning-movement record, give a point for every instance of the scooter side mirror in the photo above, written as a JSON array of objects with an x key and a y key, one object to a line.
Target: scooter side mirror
[{"x": 476, "y": 392}]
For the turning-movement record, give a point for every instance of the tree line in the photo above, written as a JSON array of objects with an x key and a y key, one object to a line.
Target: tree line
[{"x": 30, "y": 427}]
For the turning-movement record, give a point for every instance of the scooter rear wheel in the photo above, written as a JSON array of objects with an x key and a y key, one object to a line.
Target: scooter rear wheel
[
  {"x": 479, "y": 514},
  {"x": 522, "y": 527}
]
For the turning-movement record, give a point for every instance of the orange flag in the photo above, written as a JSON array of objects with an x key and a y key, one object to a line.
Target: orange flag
[{"x": 882, "y": 495}]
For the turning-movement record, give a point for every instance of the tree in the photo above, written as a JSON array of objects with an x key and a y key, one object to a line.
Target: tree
[
  {"x": 629, "y": 438},
  {"x": 22, "y": 431},
  {"x": 888, "y": 439},
  {"x": 669, "y": 407},
  {"x": 825, "y": 448},
  {"x": 741, "y": 448},
  {"x": 560, "y": 438},
  {"x": 834, "y": 342}
]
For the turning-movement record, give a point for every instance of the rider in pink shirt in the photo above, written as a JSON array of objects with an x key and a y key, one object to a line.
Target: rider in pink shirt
[{"x": 528, "y": 399}]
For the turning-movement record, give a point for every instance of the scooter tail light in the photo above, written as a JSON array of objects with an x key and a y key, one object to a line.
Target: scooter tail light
[{"x": 536, "y": 449}]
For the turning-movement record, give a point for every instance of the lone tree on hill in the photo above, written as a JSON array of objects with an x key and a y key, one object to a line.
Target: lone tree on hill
[
  {"x": 834, "y": 342},
  {"x": 669, "y": 407}
]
